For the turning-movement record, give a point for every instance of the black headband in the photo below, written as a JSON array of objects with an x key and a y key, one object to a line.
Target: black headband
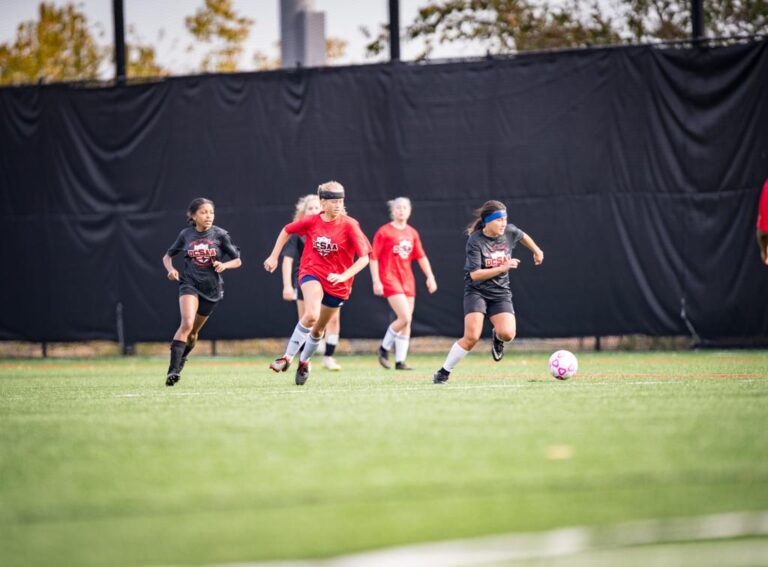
[{"x": 331, "y": 194}]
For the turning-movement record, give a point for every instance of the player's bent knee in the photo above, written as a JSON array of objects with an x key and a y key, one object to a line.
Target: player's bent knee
[{"x": 506, "y": 336}]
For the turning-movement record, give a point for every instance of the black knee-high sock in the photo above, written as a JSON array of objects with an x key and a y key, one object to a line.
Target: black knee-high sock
[
  {"x": 329, "y": 349},
  {"x": 188, "y": 348},
  {"x": 177, "y": 351}
]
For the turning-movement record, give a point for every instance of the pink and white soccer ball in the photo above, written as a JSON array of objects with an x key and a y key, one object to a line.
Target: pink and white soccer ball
[{"x": 563, "y": 365}]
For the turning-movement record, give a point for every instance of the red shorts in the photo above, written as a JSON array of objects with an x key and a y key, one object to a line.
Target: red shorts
[{"x": 395, "y": 287}]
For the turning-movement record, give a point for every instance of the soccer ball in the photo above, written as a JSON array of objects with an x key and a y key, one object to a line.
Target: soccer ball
[{"x": 563, "y": 365}]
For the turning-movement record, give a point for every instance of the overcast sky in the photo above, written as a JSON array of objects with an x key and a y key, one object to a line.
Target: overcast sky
[{"x": 161, "y": 23}]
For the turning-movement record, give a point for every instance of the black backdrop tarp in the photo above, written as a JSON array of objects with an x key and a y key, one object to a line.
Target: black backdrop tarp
[{"x": 636, "y": 169}]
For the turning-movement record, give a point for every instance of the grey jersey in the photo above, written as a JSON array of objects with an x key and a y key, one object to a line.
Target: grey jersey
[
  {"x": 201, "y": 250},
  {"x": 484, "y": 252}
]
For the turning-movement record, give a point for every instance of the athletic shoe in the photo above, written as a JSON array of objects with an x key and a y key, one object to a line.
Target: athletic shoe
[
  {"x": 384, "y": 358},
  {"x": 441, "y": 376},
  {"x": 172, "y": 379},
  {"x": 302, "y": 373},
  {"x": 497, "y": 350},
  {"x": 280, "y": 364},
  {"x": 330, "y": 363},
  {"x": 402, "y": 366}
]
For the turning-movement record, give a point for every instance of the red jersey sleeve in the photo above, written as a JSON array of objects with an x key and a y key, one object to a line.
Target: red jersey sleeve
[
  {"x": 359, "y": 240},
  {"x": 762, "y": 213},
  {"x": 418, "y": 249},
  {"x": 300, "y": 226}
]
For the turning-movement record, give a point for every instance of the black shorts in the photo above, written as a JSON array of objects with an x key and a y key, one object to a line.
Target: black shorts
[
  {"x": 204, "y": 306},
  {"x": 476, "y": 303},
  {"x": 297, "y": 287},
  {"x": 328, "y": 299}
]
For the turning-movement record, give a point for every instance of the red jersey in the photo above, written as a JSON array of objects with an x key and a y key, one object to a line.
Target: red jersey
[
  {"x": 395, "y": 248},
  {"x": 762, "y": 212},
  {"x": 330, "y": 248}
]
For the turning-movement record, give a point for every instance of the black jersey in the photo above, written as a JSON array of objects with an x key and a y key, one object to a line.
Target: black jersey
[
  {"x": 485, "y": 252},
  {"x": 201, "y": 250},
  {"x": 294, "y": 248}
]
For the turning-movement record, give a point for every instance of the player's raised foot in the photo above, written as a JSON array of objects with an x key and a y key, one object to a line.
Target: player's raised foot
[
  {"x": 302, "y": 373},
  {"x": 384, "y": 358},
  {"x": 280, "y": 364},
  {"x": 329, "y": 363},
  {"x": 497, "y": 350},
  {"x": 402, "y": 366},
  {"x": 441, "y": 376},
  {"x": 172, "y": 378}
]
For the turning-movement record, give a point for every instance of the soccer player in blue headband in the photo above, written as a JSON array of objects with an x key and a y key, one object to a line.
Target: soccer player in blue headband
[{"x": 486, "y": 283}]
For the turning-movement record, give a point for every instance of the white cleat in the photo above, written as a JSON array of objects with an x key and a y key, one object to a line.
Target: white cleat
[{"x": 329, "y": 363}]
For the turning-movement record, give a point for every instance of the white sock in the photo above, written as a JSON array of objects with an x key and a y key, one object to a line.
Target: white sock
[
  {"x": 389, "y": 339},
  {"x": 401, "y": 347},
  {"x": 297, "y": 339},
  {"x": 310, "y": 348},
  {"x": 454, "y": 356}
]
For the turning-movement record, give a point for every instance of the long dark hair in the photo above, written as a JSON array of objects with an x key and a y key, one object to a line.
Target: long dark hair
[
  {"x": 195, "y": 205},
  {"x": 489, "y": 207}
]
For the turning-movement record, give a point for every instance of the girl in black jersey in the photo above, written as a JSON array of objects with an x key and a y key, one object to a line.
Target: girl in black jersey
[
  {"x": 200, "y": 283},
  {"x": 486, "y": 283}
]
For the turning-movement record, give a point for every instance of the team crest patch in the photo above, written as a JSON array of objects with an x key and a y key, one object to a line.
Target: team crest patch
[
  {"x": 324, "y": 245},
  {"x": 403, "y": 248},
  {"x": 202, "y": 252}
]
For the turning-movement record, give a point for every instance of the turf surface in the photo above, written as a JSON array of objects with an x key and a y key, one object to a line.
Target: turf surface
[{"x": 100, "y": 463}]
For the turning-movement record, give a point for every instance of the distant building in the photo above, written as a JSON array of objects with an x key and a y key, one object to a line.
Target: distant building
[{"x": 302, "y": 34}]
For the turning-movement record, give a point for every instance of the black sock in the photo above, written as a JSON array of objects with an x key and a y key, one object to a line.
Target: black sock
[
  {"x": 329, "y": 349},
  {"x": 177, "y": 351},
  {"x": 188, "y": 348}
]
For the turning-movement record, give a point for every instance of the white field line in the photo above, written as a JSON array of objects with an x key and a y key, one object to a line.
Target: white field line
[{"x": 556, "y": 543}]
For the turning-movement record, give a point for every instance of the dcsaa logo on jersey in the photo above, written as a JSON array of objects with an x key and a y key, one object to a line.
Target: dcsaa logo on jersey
[
  {"x": 497, "y": 258},
  {"x": 202, "y": 252},
  {"x": 403, "y": 248},
  {"x": 324, "y": 245}
]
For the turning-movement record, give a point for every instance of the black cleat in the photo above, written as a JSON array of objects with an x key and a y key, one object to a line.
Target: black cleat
[
  {"x": 302, "y": 373},
  {"x": 280, "y": 364},
  {"x": 172, "y": 379},
  {"x": 384, "y": 358},
  {"x": 497, "y": 350},
  {"x": 402, "y": 366},
  {"x": 441, "y": 376}
]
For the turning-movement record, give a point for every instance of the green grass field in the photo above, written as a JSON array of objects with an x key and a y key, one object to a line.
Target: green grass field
[{"x": 102, "y": 464}]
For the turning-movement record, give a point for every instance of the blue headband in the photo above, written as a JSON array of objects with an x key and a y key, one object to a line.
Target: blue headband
[{"x": 493, "y": 216}]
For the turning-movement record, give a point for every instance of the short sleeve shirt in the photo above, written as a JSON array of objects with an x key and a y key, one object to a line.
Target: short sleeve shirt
[
  {"x": 201, "y": 250},
  {"x": 395, "y": 249},
  {"x": 330, "y": 248},
  {"x": 293, "y": 249},
  {"x": 484, "y": 252}
]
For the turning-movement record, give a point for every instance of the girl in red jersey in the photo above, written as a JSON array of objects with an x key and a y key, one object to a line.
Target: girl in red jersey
[
  {"x": 395, "y": 246},
  {"x": 307, "y": 205},
  {"x": 326, "y": 272}
]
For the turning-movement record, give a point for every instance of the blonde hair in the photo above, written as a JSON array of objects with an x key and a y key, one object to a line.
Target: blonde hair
[
  {"x": 332, "y": 186},
  {"x": 302, "y": 204},
  {"x": 397, "y": 200}
]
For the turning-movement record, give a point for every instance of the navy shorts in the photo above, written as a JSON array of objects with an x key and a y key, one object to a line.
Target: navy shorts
[
  {"x": 328, "y": 299},
  {"x": 476, "y": 303},
  {"x": 204, "y": 306}
]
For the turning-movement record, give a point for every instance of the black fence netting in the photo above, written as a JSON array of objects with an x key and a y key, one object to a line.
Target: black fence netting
[{"x": 637, "y": 170}]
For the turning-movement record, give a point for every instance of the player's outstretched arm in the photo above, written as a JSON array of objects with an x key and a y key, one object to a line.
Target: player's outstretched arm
[
  {"x": 538, "y": 253},
  {"x": 270, "y": 264}
]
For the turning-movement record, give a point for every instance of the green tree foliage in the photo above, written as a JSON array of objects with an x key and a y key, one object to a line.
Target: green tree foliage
[
  {"x": 59, "y": 46},
  {"x": 217, "y": 22},
  {"x": 506, "y": 26}
]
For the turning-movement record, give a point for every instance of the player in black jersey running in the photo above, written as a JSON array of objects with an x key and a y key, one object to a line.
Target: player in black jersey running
[
  {"x": 201, "y": 286},
  {"x": 486, "y": 283}
]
